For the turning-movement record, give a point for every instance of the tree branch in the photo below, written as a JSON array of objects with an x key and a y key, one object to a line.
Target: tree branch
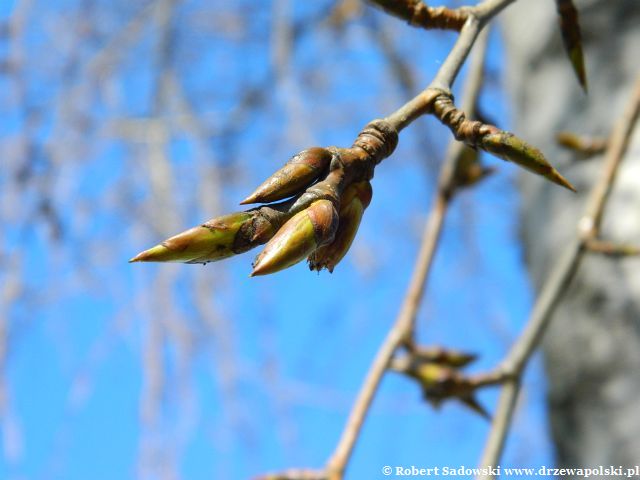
[
  {"x": 560, "y": 277},
  {"x": 611, "y": 248},
  {"x": 401, "y": 332},
  {"x": 477, "y": 17}
]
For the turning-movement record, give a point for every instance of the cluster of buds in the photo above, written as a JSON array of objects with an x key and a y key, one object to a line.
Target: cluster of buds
[
  {"x": 322, "y": 195},
  {"x": 438, "y": 372},
  {"x": 323, "y": 192}
]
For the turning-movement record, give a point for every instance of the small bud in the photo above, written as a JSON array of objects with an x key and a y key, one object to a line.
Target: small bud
[
  {"x": 300, "y": 236},
  {"x": 581, "y": 144},
  {"x": 442, "y": 356},
  {"x": 297, "y": 174},
  {"x": 471, "y": 402},
  {"x": 440, "y": 383},
  {"x": 219, "y": 238},
  {"x": 469, "y": 170},
  {"x": 513, "y": 149},
  {"x": 355, "y": 200}
]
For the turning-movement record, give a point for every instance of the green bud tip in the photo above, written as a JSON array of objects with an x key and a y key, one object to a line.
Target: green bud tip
[
  {"x": 209, "y": 242},
  {"x": 507, "y": 146}
]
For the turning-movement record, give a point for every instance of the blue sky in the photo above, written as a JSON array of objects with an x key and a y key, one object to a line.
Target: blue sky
[{"x": 254, "y": 375}]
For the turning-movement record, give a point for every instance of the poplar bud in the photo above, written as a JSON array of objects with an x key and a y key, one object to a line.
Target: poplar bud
[
  {"x": 297, "y": 174},
  {"x": 219, "y": 238},
  {"x": 513, "y": 149},
  {"x": 469, "y": 170},
  {"x": 355, "y": 199},
  {"x": 301, "y": 235},
  {"x": 438, "y": 373}
]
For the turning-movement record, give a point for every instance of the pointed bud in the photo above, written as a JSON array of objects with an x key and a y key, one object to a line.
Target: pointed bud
[
  {"x": 297, "y": 174},
  {"x": 299, "y": 237},
  {"x": 471, "y": 402},
  {"x": 440, "y": 383},
  {"x": 469, "y": 170},
  {"x": 219, "y": 238},
  {"x": 513, "y": 149},
  {"x": 355, "y": 200},
  {"x": 442, "y": 356},
  {"x": 572, "y": 38},
  {"x": 437, "y": 372}
]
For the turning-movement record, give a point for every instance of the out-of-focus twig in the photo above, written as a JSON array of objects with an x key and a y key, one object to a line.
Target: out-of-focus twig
[
  {"x": 557, "y": 282},
  {"x": 588, "y": 146}
]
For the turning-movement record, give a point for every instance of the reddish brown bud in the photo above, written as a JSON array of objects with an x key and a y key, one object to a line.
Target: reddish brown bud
[
  {"x": 572, "y": 38},
  {"x": 297, "y": 174}
]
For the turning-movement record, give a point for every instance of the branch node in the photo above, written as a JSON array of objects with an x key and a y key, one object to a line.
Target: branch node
[{"x": 379, "y": 139}]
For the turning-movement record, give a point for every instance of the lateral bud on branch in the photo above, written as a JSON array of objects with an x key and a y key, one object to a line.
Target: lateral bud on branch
[
  {"x": 438, "y": 373},
  {"x": 572, "y": 38},
  {"x": 469, "y": 170},
  {"x": 490, "y": 138}
]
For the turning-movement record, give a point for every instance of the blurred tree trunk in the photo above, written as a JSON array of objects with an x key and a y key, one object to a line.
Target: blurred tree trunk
[{"x": 592, "y": 350}]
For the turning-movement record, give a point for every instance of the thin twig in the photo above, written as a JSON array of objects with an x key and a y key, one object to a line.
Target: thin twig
[
  {"x": 402, "y": 330},
  {"x": 557, "y": 283},
  {"x": 446, "y": 75}
]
